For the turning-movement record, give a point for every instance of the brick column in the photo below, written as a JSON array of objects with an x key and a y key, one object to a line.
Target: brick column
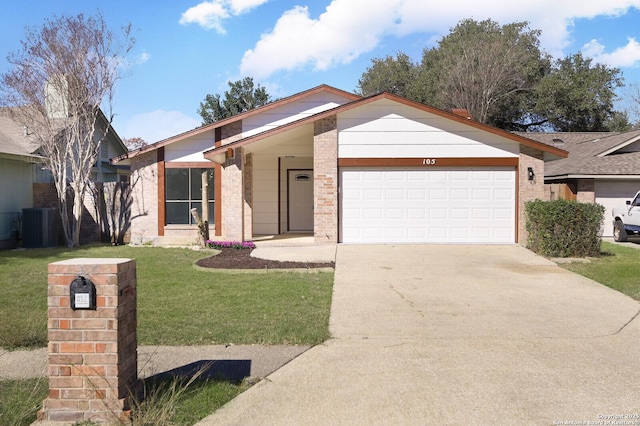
[
  {"x": 93, "y": 364},
  {"x": 233, "y": 198},
  {"x": 325, "y": 181},
  {"x": 529, "y": 190}
]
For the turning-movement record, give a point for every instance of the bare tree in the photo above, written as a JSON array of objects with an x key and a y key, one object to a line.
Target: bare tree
[
  {"x": 134, "y": 143},
  {"x": 482, "y": 66},
  {"x": 61, "y": 86},
  {"x": 632, "y": 104}
]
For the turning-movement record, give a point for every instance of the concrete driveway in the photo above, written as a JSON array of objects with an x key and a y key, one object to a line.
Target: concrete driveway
[{"x": 458, "y": 335}]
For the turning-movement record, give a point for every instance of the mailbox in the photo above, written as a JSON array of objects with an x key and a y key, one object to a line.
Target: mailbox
[{"x": 82, "y": 294}]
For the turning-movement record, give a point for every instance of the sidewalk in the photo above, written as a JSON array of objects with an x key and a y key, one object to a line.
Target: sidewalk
[{"x": 258, "y": 361}]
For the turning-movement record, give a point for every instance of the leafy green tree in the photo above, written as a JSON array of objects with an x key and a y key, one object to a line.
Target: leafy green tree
[
  {"x": 578, "y": 96},
  {"x": 501, "y": 77},
  {"x": 395, "y": 75},
  {"x": 619, "y": 122},
  {"x": 242, "y": 96}
]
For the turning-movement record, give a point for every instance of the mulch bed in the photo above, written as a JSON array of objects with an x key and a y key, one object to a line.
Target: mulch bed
[{"x": 230, "y": 258}]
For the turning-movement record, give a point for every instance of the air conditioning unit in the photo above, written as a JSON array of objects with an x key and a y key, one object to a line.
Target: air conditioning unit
[{"x": 39, "y": 227}]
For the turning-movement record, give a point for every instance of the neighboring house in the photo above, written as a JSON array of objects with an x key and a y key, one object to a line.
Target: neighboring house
[
  {"x": 110, "y": 147},
  {"x": 31, "y": 184},
  {"x": 18, "y": 159},
  {"x": 343, "y": 168},
  {"x": 602, "y": 167}
]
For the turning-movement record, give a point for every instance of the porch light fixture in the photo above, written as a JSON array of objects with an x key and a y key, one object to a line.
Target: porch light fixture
[
  {"x": 229, "y": 153},
  {"x": 530, "y": 173}
]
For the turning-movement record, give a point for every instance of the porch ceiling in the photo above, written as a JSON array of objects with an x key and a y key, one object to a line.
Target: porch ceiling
[{"x": 296, "y": 141}]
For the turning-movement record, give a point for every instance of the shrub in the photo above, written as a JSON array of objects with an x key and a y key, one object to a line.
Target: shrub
[{"x": 563, "y": 228}]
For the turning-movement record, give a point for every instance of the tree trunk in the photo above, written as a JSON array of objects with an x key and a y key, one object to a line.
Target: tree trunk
[
  {"x": 78, "y": 205},
  {"x": 205, "y": 206}
]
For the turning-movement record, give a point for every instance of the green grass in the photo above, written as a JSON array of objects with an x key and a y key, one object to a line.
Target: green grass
[
  {"x": 167, "y": 402},
  {"x": 183, "y": 402},
  {"x": 20, "y": 400},
  {"x": 618, "y": 268},
  {"x": 177, "y": 303}
]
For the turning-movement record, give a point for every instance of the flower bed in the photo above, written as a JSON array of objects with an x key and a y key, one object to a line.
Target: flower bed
[{"x": 219, "y": 245}]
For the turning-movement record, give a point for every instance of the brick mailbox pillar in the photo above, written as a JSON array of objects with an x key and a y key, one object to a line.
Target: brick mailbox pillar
[{"x": 93, "y": 363}]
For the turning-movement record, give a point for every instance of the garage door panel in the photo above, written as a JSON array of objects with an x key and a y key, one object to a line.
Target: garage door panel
[
  {"x": 460, "y": 194},
  {"x": 459, "y": 205},
  {"x": 459, "y": 214},
  {"x": 480, "y": 214},
  {"x": 613, "y": 194},
  {"x": 502, "y": 214},
  {"x": 416, "y": 213},
  {"x": 371, "y": 214}
]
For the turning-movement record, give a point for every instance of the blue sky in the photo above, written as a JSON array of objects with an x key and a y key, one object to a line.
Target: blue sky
[{"x": 186, "y": 49}]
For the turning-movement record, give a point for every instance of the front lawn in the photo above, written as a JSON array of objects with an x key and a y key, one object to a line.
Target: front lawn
[
  {"x": 618, "y": 267},
  {"x": 177, "y": 303}
]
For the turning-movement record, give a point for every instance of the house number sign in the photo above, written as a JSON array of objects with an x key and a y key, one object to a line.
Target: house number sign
[{"x": 429, "y": 162}]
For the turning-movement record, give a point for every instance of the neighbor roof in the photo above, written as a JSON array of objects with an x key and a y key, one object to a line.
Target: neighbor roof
[
  {"x": 592, "y": 154},
  {"x": 15, "y": 142}
]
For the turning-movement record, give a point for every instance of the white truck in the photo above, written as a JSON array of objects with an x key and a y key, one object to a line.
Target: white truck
[{"x": 626, "y": 220}]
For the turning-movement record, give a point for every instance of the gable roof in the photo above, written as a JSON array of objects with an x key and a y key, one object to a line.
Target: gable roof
[
  {"x": 111, "y": 133},
  {"x": 15, "y": 141},
  {"x": 592, "y": 154},
  {"x": 255, "y": 111},
  {"x": 217, "y": 154}
]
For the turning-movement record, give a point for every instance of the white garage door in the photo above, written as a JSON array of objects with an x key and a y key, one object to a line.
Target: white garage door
[
  {"x": 610, "y": 194},
  {"x": 452, "y": 205}
]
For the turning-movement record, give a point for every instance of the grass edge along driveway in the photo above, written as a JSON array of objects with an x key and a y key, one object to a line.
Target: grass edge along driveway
[{"x": 618, "y": 267}]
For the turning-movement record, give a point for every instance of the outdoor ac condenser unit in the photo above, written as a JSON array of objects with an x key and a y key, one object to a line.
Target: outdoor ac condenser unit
[{"x": 39, "y": 228}]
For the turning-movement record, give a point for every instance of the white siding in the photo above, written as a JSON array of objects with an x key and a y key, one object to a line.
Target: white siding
[
  {"x": 265, "y": 195},
  {"x": 188, "y": 150},
  {"x": 16, "y": 193},
  {"x": 290, "y": 112},
  {"x": 386, "y": 129}
]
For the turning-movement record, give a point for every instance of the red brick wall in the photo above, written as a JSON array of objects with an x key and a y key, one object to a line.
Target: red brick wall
[
  {"x": 92, "y": 362},
  {"x": 529, "y": 190},
  {"x": 325, "y": 181}
]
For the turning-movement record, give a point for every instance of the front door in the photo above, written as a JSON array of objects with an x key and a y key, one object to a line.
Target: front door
[{"x": 300, "y": 210}]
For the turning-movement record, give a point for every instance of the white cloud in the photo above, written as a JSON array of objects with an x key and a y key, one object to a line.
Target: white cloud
[
  {"x": 349, "y": 28},
  {"x": 242, "y": 6},
  {"x": 142, "y": 58},
  {"x": 336, "y": 37},
  {"x": 210, "y": 14},
  {"x": 158, "y": 125},
  {"x": 625, "y": 56}
]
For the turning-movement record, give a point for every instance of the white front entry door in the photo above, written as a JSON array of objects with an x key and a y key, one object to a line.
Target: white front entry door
[
  {"x": 300, "y": 210},
  {"x": 439, "y": 205}
]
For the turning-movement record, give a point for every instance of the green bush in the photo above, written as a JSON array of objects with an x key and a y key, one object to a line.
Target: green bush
[{"x": 563, "y": 228}]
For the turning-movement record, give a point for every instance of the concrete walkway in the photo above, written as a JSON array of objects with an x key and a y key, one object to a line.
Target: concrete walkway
[
  {"x": 457, "y": 335},
  {"x": 254, "y": 360}
]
